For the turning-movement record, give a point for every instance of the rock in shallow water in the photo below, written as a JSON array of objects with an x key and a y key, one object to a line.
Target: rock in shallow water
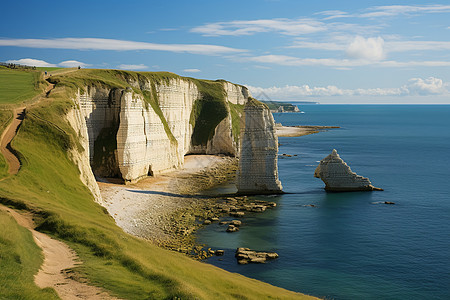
[
  {"x": 245, "y": 256},
  {"x": 232, "y": 228},
  {"x": 338, "y": 177}
]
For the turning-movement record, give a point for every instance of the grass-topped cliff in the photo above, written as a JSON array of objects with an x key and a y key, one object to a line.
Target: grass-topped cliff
[
  {"x": 48, "y": 184},
  {"x": 210, "y": 108}
]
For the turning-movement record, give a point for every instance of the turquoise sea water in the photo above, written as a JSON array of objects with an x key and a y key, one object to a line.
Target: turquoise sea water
[{"x": 347, "y": 247}]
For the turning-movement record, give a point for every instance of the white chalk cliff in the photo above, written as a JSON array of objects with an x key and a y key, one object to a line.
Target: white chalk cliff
[
  {"x": 338, "y": 177},
  {"x": 258, "y": 170},
  {"x": 148, "y": 127}
]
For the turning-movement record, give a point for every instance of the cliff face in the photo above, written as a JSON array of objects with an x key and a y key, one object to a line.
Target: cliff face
[
  {"x": 258, "y": 170},
  {"x": 338, "y": 177},
  {"x": 147, "y": 128}
]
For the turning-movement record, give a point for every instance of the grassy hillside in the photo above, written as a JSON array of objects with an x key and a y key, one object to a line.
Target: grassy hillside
[
  {"x": 6, "y": 116},
  {"x": 20, "y": 259},
  {"x": 19, "y": 85},
  {"x": 48, "y": 184}
]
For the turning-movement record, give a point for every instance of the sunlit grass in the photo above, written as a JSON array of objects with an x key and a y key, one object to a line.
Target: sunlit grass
[
  {"x": 20, "y": 259},
  {"x": 49, "y": 184}
]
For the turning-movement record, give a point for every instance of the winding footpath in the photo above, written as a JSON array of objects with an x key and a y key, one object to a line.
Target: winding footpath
[
  {"x": 59, "y": 258},
  {"x": 10, "y": 132},
  {"x": 5, "y": 144}
]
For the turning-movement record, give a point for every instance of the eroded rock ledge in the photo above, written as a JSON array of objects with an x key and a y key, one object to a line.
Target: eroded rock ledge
[{"x": 338, "y": 177}]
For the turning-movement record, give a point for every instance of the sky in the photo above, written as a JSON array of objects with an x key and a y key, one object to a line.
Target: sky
[{"x": 381, "y": 52}]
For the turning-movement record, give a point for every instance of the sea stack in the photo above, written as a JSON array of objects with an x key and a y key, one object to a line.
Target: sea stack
[
  {"x": 258, "y": 168},
  {"x": 338, "y": 177}
]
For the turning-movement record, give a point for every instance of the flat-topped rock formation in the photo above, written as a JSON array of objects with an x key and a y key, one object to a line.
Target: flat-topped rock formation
[
  {"x": 258, "y": 169},
  {"x": 338, "y": 177}
]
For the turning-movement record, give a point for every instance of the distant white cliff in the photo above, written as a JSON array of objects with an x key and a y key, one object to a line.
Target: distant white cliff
[{"x": 338, "y": 177}]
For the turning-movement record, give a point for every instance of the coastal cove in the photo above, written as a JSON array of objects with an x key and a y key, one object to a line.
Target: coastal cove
[{"x": 352, "y": 245}]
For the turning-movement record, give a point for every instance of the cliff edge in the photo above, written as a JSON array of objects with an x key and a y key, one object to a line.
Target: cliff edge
[{"x": 135, "y": 124}]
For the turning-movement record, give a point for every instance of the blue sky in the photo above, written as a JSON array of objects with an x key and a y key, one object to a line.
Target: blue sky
[{"x": 326, "y": 51}]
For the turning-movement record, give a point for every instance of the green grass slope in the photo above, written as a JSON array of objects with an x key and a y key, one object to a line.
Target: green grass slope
[
  {"x": 48, "y": 184},
  {"x": 20, "y": 259},
  {"x": 6, "y": 116},
  {"x": 19, "y": 85}
]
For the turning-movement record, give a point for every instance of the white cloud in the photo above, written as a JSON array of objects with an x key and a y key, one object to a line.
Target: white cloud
[
  {"x": 41, "y": 63},
  {"x": 330, "y": 46},
  {"x": 132, "y": 67},
  {"x": 191, "y": 70},
  {"x": 415, "y": 86},
  {"x": 403, "y": 46},
  {"x": 250, "y": 27},
  {"x": 394, "y": 10},
  {"x": 403, "y": 64},
  {"x": 285, "y": 60},
  {"x": 334, "y": 14},
  {"x": 429, "y": 86},
  {"x": 119, "y": 45},
  {"x": 388, "y": 45},
  {"x": 31, "y": 62},
  {"x": 370, "y": 48},
  {"x": 72, "y": 64}
]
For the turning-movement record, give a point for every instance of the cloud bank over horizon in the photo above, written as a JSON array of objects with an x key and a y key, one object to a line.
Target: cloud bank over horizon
[{"x": 414, "y": 87}]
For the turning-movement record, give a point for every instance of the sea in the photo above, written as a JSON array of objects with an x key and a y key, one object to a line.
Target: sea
[{"x": 352, "y": 245}]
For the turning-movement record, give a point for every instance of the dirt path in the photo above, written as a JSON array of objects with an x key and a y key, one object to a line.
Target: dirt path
[
  {"x": 58, "y": 259},
  {"x": 10, "y": 132},
  {"x": 5, "y": 143}
]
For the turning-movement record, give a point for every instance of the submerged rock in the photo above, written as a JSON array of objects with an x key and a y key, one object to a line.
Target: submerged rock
[{"x": 338, "y": 177}]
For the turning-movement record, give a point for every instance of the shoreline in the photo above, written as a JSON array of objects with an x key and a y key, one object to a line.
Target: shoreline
[
  {"x": 297, "y": 131},
  {"x": 169, "y": 208}
]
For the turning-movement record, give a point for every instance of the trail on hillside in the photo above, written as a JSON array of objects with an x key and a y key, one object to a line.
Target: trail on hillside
[
  {"x": 59, "y": 258},
  {"x": 11, "y": 130},
  {"x": 5, "y": 143}
]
